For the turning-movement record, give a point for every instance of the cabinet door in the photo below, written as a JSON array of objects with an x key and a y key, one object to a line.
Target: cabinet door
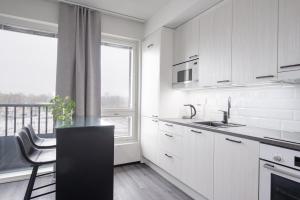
[
  {"x": 215, "y": 45},
  {"x": 197, "y": 165},
  {"x": 236, "y": 167},
  {"x": 289, "y": 35},
  {"x": 254, "y": 40},
  {"x": 186, "y": 41},
  {"x": 149, "y": 138},
  {"x": 150, "y": 76}
]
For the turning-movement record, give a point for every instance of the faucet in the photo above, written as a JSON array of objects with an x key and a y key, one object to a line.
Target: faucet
[{"x": 226, "y": 114}]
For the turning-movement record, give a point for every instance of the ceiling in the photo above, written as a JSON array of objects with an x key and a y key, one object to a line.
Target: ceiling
[{"x": 140, "y": 9}]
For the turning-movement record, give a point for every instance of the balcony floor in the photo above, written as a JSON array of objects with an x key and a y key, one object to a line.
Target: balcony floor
[{"x": 131, "y": 182}]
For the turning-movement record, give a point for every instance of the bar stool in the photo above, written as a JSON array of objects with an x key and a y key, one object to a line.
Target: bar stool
[
  {"x": 39, "y": 142},
  {"x": 36, "y": 157}
]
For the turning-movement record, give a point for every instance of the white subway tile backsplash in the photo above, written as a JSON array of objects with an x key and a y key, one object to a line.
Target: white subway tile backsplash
[{"x": 276, "y": 107}]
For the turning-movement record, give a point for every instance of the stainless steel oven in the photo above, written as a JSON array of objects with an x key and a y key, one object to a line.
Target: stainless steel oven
[
  {"x": 185, "y": 74},
  {"x": 279, "y": 173}
]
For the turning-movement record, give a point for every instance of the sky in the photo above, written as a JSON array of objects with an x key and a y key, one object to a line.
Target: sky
[
  {"x": 27, "y": 63},
  {"x": 28, "y": 66}
]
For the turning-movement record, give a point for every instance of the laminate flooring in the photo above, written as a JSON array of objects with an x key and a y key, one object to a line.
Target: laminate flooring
[{"x": 131, "y": 182}]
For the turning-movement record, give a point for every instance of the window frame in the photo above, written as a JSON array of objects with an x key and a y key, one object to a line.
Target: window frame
[{"x": 131, "y": 111}]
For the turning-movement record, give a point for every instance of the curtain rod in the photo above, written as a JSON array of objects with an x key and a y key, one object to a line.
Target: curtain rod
[{"x": 104, "y": 11}]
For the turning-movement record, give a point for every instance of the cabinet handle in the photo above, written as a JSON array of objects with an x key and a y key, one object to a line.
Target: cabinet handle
[
  {"x": 261, "y": 77},
  {"x": 170, "y": 125},
  {"x": 150, "y": 45},
  {"x": 155, "y": 120},
  {"x": 194, "y": 56},
  {"x": 236, "y": 141},
  {"x": 196, "y": 131},
  {"x": 169, "y": 135},
  {"x": 168, "y": 155},
  {"x": 289, "y": 66},
  {"x": 155, "y": 116},
  {"x": 224, "y": 81}
]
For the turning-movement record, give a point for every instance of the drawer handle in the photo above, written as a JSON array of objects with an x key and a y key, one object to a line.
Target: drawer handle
[
  {"x": 224, "y": 81},
  {"x": 194, "y": 56},
  {"x": 196, "y": 131},
  {"x": 168, "y": 135},
  {"x": 150, "y": 45},
  {"x": 170, "y": 125},
  {"x": 155, "y": 120},
  {"x": 261, "y": 77},
  {"x": 289, "y": 66},
  {"x": 168, "y": 155},
  {"x": 155, "y": 116},
  {"x": 235, "y": 141}
]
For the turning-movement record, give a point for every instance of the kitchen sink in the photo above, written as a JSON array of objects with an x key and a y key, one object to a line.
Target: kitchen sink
[{"x": 218, "y": 124}]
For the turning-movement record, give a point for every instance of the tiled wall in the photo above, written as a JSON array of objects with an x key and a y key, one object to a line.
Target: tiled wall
[{"x": 273, "y": 107}]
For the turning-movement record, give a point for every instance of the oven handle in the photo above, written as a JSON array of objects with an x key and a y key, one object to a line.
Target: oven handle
[{"x": 273, "y": 168}]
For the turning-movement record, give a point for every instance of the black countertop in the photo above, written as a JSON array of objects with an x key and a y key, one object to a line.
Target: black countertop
[
  {"x": 290, "y": 140},
  {"x": 83, "y": 122}
]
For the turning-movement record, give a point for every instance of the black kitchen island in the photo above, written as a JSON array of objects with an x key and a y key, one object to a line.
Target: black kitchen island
[{"x": 84, "y": 163}]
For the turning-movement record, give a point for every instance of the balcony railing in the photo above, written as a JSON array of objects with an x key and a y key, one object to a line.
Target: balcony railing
[{"x": 14, "y": 116}]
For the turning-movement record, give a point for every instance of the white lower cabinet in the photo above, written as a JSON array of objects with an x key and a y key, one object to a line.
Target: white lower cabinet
[
  {"x": 197, "y": 165},
  {"x": 236, "y": 168},
  {"x": 149, "y": 138}
]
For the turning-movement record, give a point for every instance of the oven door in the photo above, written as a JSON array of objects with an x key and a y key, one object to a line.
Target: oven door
[{"x": 278, "y": 182}]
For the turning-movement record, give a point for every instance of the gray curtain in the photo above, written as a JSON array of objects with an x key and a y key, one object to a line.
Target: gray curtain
[{"x": 78, "y": 61}]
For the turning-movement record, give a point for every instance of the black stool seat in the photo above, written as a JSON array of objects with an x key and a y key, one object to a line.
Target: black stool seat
[
  {"x": 38, "y": 141},
  {"x": 36, "y": 157}
]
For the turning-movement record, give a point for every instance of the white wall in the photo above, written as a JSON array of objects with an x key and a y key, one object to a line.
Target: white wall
[
  {"x": 273, "y": 107},
  {"x": 43, "y": 15}
]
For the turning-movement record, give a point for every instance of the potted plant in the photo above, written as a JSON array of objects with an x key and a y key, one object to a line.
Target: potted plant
[{"x": 62, "y": 109}]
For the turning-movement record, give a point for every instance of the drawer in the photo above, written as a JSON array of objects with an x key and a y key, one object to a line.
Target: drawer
[
  {"x": 171, "y": 143},
  {"x": 170, "y": 163},
  {"x": 171, "y": 128}
]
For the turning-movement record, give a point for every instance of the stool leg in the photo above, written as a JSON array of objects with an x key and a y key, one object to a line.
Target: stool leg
[{"x": 31, "y": 183}]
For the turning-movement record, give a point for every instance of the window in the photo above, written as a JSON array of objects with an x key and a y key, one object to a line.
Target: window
[
  {"x": 118, "y": 85},
  {"x": 28, "y": 66}
]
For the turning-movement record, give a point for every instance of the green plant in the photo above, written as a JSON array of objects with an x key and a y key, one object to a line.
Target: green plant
[{"x": 62, "y": 108}]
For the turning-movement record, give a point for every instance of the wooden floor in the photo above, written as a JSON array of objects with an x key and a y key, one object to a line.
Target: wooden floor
[{"x": 131, "y": 182}]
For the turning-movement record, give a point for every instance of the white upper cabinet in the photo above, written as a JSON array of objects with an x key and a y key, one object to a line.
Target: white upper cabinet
[
  {"x": 186, "y": 41},
  {"x": 254, "y": 40},
  {"x": 215, "y": 45},
  {"x": 150, "y": 76},
  {"x": 289, "y": 35},
  {"x": 236, "y": 168}
]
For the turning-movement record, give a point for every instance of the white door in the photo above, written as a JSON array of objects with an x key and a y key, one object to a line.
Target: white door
[
  {"x": 236, "y": 168},
  {"x": 149, "y": 138},
  {"x": 289, "y": 31},
  {"x": 215, "y": 45},
  {"x": 254, "y": 40},
  {"x": 186, "y": 41},
  {"x": 197, "y": 165},
  {"x": 150, "y": 76}
]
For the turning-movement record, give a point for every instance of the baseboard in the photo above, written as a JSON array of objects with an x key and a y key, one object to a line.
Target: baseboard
[
  {"x": 186, "y": 189},
  {"x": 22, "y": 175}
]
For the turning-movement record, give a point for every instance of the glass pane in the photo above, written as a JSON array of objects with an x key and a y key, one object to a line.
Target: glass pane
[
  {"x": 284, "y": 189},
  {"x": 28, "y": 67},
  {"x": 122, "y": 125},
  {"x": 115, "y": 77}
]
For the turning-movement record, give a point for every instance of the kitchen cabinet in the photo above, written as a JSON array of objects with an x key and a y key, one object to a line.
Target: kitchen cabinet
[
  {"x": 197, "y": 164},
  {"x": 186, "y": 41},
  {"x": 149, "y": 138},
  {"x": 254, "y": 40},
  {"x": 150, "y": 76},
  {"x": 215, "y": 45},
  {"x": 236, "y": 168},
  {"x": 289, "y": 40}
]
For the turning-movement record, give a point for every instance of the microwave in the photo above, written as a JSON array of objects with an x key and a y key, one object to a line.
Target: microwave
[{"x": 185, "y": 74}]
